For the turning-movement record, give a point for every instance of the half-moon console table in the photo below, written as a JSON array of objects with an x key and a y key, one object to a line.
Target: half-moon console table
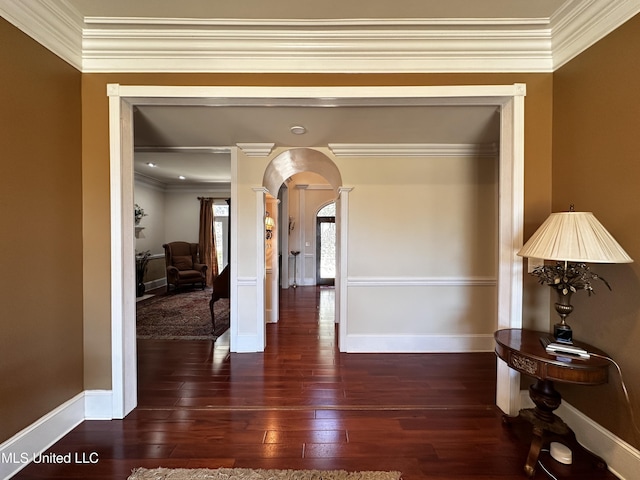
[{"x": 523, "y": 351}]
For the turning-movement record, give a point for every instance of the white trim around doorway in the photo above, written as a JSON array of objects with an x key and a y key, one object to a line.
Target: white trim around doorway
[{"x": 509, "y": 99}]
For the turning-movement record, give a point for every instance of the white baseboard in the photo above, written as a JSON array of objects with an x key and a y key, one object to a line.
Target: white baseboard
[
  {"x": 269, "y": 314},
  {"x": 153, "y": 284},
  {"x": 98, "y": 405},
  {"x": 419, "y": 343},
  {"x": 246, "y": 344},
  {"x": 622, "y": 459},
  {"x": 20, "y": 449}
]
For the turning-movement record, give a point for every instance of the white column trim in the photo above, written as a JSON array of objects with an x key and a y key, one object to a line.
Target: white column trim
[
  {"x": 302, "y": 224},
  {"x": 233, "y": 254},
  {"x": 342, "y": 220},
  {"x": 511, "y": 213},
  {"x": 261, "y": 272},
  {"x": 123, "y": 339}
]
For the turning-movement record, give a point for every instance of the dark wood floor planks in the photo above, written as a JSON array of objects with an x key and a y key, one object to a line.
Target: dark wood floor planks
[{"x": 303, "y": 405}]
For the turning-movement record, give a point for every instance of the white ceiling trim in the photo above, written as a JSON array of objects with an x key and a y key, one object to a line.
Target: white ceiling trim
[
  {"x": 56, "y": 25},
  {"x": 249, "y": 149},
  {"x": 413, "y": 150},
  {"x": 316, "y": 46},
  {"x": 220, "y": 188},
  {"x": 256, "y": 149},
  {"x": 99, "y": 44},
  {"x": 580, "y": 24},
  {"x": 182, "y": 149}
]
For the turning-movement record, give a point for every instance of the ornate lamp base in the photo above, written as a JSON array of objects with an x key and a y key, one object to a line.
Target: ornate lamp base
[{"x": 563, "y": 333}]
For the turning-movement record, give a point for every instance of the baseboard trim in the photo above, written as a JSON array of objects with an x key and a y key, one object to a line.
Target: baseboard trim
[
  {"x": 419, "y": 343},
  {"x": 623, "y": 459},
  {"x": 98, "y": 405},
  {"x": 19, "y": 450},
  {"x": 153, "y": 284}
]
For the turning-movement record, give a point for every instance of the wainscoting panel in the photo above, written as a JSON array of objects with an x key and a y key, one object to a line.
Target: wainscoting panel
[{"x": 421, "y": 314}]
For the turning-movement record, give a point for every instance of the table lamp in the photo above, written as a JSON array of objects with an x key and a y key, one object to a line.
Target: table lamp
[{"x": 572, "y": 239}]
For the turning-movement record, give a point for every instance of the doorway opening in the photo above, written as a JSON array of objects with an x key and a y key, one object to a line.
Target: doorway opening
[
  {"x": 326, "y": 245},
  {"x": 312, "y": 182},
  {"x": 509, "y": 102}
]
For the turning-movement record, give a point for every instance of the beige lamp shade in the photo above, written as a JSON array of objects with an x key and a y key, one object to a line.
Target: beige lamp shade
[{"x": 574, "y": 237}]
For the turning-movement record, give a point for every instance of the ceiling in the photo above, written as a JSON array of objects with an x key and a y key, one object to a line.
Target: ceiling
[
  {"x": 187, "y": 140},
  {"x": 334, "y": 36},
  {"x": 327, "y": 9}
]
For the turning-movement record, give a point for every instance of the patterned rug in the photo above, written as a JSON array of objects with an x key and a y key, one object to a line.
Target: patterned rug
[
  {"x": 182, "y": 315},
  {"x": 249, "y": 474}
]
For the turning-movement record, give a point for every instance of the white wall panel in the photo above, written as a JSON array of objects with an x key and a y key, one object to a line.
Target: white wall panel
[{"x": 422, "y": 310}]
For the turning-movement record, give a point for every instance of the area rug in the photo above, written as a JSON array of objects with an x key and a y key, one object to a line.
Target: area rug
[
  {"x": 249, "y": 474},
  {"x": 183, "y": 315}
]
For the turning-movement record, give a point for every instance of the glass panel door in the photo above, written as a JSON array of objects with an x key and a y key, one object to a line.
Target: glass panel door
[{"x": 325, "y": 250}]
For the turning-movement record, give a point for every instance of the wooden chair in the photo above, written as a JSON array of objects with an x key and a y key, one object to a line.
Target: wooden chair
[{"x": 221, "y": 287}]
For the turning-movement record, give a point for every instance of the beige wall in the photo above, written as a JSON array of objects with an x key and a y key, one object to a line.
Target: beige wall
[
  {"x": 596, "y": 166},
  {"x": 41, "y": 355},
  {"x": 152, "y": 235},
  {"x": 431, "y": 221}
]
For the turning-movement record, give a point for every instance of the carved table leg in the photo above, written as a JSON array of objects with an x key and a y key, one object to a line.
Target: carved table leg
[
  {"x": 546, "y": 399},
  {"x": 534, "y": 451}
]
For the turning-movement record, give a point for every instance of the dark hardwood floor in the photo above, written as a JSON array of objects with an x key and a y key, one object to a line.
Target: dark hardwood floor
[{"x": 303, "y": 405}]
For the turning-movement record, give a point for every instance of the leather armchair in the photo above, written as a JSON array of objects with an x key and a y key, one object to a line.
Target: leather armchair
[{"x": 183, "y": 267}]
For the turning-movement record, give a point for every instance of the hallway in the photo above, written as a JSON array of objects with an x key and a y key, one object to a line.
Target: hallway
[{"x": 302, "y": 405}]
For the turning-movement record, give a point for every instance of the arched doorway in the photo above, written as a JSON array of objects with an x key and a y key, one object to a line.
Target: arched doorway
[{"x": 284, "y": 166}]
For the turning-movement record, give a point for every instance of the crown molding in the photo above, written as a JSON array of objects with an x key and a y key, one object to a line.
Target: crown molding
[
  {"x": 183, "y": 149},
  {"x": 580, "y": 24},
  {"x": 413, "y": 150},
  {"x": 149, "y": 182},
  {"x": 101, "y": 44},
  {"x": 55, "y": 25},
  {"x": 256, "y": 149},
  {"x": 157, "y": 185},
  {"x": 212, "y": 188},
  {"x": 178, "y": 45}
]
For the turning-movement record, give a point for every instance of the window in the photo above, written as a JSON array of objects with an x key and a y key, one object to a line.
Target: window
[{"x": 221, "y": 231}]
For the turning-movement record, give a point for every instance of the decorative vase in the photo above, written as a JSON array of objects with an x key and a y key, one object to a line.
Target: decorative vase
[{"x": 561, "y": 331}]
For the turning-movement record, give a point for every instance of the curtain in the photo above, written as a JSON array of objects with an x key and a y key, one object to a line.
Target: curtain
[{"x": 207, "y": 240}]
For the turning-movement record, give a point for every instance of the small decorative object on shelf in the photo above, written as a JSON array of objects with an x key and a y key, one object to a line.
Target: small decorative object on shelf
[
  {"x": 142, "y": 260},
  {"x": 138, "y": 213}
]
